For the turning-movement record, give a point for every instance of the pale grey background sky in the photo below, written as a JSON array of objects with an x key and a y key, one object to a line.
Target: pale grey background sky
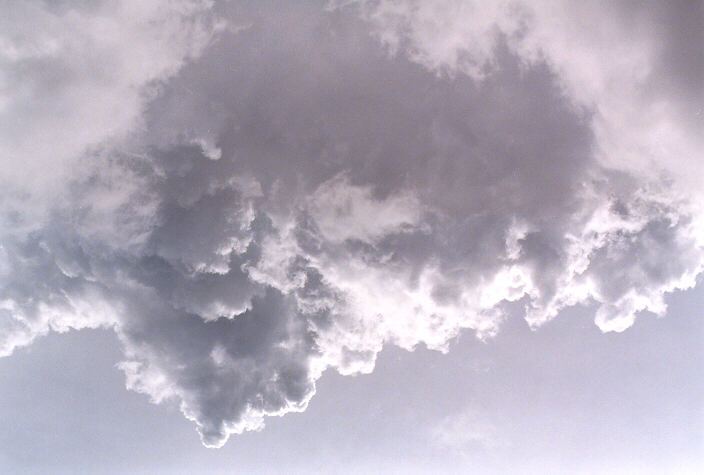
[{"x": 563, "y": 399}]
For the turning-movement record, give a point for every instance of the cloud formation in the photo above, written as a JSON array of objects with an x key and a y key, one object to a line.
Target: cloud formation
[
  {"x": 251, "y": 193},
  {"x": 465, "y": 431}
]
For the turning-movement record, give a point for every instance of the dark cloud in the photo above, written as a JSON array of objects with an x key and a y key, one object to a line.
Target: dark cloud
[{"x": 319, "y": 182}]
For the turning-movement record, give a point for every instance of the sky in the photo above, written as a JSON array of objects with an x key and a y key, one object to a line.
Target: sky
[{"x": 351, "y": 236}]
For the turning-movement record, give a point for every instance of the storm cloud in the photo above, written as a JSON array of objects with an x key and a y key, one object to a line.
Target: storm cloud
[{"x": 250, "y": 193}]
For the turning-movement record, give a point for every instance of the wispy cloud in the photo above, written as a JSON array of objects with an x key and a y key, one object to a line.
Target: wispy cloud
[{"x": 466, "y": 432}]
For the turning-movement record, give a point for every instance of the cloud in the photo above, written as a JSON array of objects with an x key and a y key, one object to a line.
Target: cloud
[
  {"x": 465, "y": 432},
  {"x": 302, "y": 191}
]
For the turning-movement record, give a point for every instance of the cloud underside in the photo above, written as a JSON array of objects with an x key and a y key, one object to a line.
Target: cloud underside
[{"x": 250, "y": 194}]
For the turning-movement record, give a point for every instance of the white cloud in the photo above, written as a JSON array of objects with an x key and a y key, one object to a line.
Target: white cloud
[{"x": 343, "y": 211}]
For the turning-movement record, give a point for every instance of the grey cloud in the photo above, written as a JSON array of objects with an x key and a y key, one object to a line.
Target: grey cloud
[
  {"x": 298, "y": 197},
  {"x": 227, "y": 372}
]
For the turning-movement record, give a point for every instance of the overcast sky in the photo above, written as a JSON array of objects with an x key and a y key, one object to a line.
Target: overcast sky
[{"x": 432, "y": 236}]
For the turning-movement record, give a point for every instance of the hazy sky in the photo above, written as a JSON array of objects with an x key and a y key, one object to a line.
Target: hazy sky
[{"x": 433, "y": 236}]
